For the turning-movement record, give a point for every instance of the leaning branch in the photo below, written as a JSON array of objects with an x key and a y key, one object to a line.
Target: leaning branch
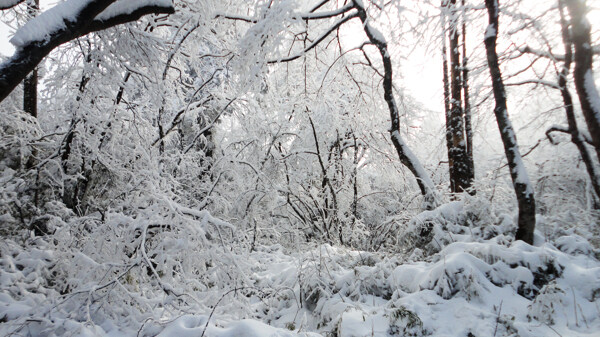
[
  {"x": 119, "y": 19},
  {"x": 405, "y": 154},
  {"x": 89, "y": 18},
  {"x": 550, "y": 55},
  {"x": 565, "y": 129},
  {"x": 8, "y": 4}
]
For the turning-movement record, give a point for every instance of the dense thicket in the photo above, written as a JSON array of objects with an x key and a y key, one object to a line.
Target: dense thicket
[{"x": 164, "y": 158}]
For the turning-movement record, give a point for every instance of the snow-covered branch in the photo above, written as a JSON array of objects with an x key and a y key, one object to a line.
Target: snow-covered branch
[
  {"x": 565, "y": 129},
  {"x": 64, "y": 22},
  {"x": 7, "y": 4},
  {"x": 550, "y": 55},
  {"x": 302, "y": 16},
  {"x": 318, "y": 40}
]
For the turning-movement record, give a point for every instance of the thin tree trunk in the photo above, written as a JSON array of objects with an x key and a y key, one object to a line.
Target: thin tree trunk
[
  {"x": 518, "y": 173},
  {"x": 406, "y": 156},
  {"x": 354, "y": 183},
  {"x": 458, "y": 163},
  {"x": 446, "y": 80},
  {"x": 30, "y": 83},
  {"x": 467, "y": 105},
  {"x": 576, "y": 137},
  {"x": 583, "y": 74}
]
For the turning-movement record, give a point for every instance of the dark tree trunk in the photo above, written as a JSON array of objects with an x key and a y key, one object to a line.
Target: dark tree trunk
[
  {"x": 576, "y": 137},
  {"x": 30, "y": 93},
  {"x": 446, "y": 80},
  {"x": 458, "y": 159},
  {"x": 31, "y": 81},
  {"x": 520, "y": 179},
  {"x": 583, "y": 75},
  {"x": 467, "y": 106},
  {"x": 405, "y": 154}
]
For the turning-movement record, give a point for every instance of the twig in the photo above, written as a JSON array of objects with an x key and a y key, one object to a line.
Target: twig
[
  {"x": 498, "y": 319},
  {"x": 575, "y": 306}
]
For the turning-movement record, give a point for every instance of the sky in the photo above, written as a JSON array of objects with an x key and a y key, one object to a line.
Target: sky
[{"x": 6, "y": 49}]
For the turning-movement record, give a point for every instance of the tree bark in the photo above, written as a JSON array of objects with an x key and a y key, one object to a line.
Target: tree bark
[
  {"x": 467, "y": 106},
  {"x": 458, "y": 159},
  {"x": 518, "y": 173},
  {"x": 446, "y": 80},
  {"x": 30, "y": 83},
  {"x": 583, "y": 74},
  {"x": 30, "y": 93}
]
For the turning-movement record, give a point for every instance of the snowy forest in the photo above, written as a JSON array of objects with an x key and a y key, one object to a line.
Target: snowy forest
[{"x": 216, "y": 168}]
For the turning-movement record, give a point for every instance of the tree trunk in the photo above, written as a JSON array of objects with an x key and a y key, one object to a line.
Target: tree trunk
[
  {"x": 458, "y": 160},
  {"x": 518, "y": 173},
  {"x": 446, "y": 80},
  {"x": 583, "y": 74},
  {"x": 406, "y": 156},
  {"x": 467, "y": 106},
  {"x": 30, "y": 93},
  {"x": 31, "y": 81},
  {"x": 576, "y": 137}
]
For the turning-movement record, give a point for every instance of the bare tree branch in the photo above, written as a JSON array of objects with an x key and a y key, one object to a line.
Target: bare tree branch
[
  {"x": 550, "y": 55},
  {"x": 318, "y": 40},
  {"x": 565, "y": 129}
]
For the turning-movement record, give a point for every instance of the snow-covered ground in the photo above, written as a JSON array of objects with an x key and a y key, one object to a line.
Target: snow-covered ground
[{"x": 466, "y": 281}]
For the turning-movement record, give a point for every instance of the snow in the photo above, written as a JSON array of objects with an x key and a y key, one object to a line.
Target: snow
[
  {"x": 470, "y": 285},
  {"x": 592, "y": 92},
  {"x": 194, "y": 326},
  {"x": 166, "y": 248},
  {"x": 490, "y": 32},
  {"x": 47, "y": 23},
  {"x": 377, "y": 35},
  {"x": 9, "y": 3},
  {"x": 52, "y": 20},
  {"x": 124, "y": 7}
]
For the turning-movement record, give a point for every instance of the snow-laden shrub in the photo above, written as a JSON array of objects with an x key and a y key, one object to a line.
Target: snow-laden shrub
[
  {"x": 404, "y": 322},
  {"x": 543, "y": 308},
  {"x": 29, "y": 176},
  {"x": 97, "y": 269},
  {"x": 574, "y": 244},
  {"x": 466, "y": 220}
]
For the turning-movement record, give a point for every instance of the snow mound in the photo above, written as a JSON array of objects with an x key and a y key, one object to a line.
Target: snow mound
[
  {"x": 195, "y": 326},
  {"x": 480, "y": 283}
]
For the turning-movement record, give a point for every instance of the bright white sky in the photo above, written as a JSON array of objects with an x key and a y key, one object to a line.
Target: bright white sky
[{"x": 6, "y": 49}]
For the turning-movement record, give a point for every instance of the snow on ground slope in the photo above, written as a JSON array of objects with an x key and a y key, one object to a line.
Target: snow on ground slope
[{"x": 478, "y": 283}]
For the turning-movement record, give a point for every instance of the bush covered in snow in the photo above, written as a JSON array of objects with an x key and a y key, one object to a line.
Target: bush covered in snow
[{"x": 178, "y": 181}]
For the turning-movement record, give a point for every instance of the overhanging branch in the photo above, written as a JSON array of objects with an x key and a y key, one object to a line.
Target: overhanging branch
[
  {"x": 8, "y": 4},
  {"x": 30, "y": 53},
  {"x": 98, "y": 25}
]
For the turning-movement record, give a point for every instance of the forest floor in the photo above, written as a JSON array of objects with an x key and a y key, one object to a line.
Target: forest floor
[{"x": 468, "y": 281}]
